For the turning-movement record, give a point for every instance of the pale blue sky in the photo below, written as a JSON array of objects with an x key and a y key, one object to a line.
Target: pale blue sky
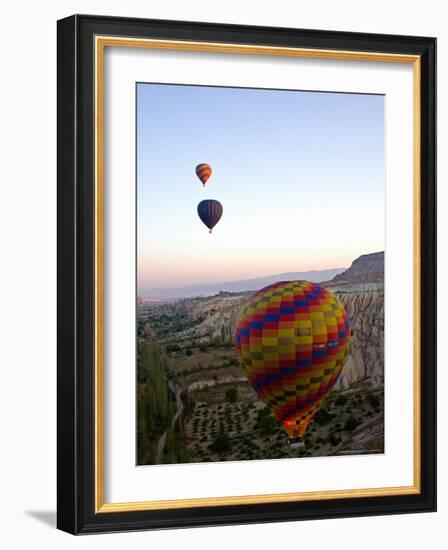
[{"x": 300, "y": 176}]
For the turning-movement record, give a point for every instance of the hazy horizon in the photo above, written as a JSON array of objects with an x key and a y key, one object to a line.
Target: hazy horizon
[
  {"x": 242, "y": 285},
  {"x": 261, "y": 276},
  {"x": 300, "y": 176}
]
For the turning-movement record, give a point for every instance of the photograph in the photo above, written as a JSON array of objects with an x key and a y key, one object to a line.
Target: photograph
[{"x": 260, "y": 242}]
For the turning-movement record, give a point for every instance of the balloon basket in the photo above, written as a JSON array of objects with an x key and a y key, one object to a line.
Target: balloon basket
[{"x": 296, "y": 442}]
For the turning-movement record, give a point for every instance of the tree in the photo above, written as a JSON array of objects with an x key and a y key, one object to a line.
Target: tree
[
  {"x": 172, "y": 348},
  {"x": 351, "y": 423},
  {"x": 154, "y": 407},
  {"x": 231, "y": 395},
  {"x": 341, "y": 400},
  {"x": 323, "y": 417},
  {"x": 266, "y": 423},
  {"x": 145, "y": 426},
  {"x": 221, "y": 443},
  {"x": 334, "y": 440},
  {"x": 373, "y": 400}
]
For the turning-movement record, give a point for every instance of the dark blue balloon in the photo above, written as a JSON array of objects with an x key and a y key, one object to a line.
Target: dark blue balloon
[{"x": 210, "y": 212}]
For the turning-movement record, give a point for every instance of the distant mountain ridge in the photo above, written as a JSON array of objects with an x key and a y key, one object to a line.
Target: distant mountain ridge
[{"x": 210, "y": 289}]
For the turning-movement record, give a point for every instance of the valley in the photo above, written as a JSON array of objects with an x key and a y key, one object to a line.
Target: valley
[{"x": 201, "y": 405}]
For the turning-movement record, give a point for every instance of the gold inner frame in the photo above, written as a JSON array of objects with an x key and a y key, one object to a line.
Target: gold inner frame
[{"x": 101, "y": 42}]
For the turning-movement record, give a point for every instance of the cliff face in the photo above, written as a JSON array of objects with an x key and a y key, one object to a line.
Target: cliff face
[
  {"x": 368, "y": 268},
  {"x": 361, "y": 289},
  {"x": 214, "y": 317},
  {"x": 365, "y": 310}
]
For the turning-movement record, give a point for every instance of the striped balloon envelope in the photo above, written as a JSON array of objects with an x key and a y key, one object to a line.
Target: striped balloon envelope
[
  {"x": 293, "y": 339},
  {"x": 203, "y": 171}
]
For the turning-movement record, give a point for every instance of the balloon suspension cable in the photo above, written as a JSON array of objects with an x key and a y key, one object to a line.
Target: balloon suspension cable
[{"x": 296, "y": 431}]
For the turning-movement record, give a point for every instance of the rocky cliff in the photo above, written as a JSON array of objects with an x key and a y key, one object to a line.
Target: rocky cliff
[
  {"x": 368, "y": 268},
  {"x": 361, "y": 289},
  {"x": 366, "y": 361}
]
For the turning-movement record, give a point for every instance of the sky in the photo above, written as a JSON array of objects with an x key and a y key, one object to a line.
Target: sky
[{"x": 300, "y": 176}]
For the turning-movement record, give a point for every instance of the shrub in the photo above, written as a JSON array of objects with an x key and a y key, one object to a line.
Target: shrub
[
  {"x": 221, "y": 444},
  {"x": 323, "y": 417},
  {"x": 172, "y": 348},
  {"x": 373, "y": 400},
  {"x": 341, "y": 400},
  {"x": 334, "y": 440},
  {"x": 351, "y": 423}
]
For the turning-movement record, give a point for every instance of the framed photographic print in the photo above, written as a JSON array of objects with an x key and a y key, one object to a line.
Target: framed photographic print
[{"x": 246, "y": 274}]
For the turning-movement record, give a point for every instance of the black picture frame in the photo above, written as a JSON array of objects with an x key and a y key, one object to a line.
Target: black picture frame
[{"x": 76, "y": 286}]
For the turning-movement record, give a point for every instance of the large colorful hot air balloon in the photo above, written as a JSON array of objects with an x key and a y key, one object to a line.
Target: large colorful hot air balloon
[
  {"x": 203, "y": 171},
  {"x": 293, "y": 339},
  {"x": 210, "y": 212}
]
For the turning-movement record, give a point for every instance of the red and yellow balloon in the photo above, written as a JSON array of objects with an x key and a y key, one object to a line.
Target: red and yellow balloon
[
  {"x": 203, "y": 172},
  {"x": 293, "y": 338}
]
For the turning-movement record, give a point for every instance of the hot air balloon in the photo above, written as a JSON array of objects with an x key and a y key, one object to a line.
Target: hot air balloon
[
  {"x": 203, "y": 171},
  {"x": 293, "y": 339},
  {"x": 210, "y": 212}
]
